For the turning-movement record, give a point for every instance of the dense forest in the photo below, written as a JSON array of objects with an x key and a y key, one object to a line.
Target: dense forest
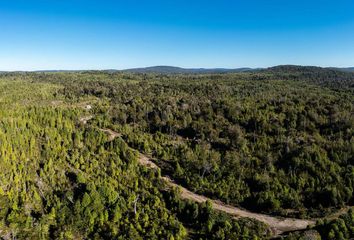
[{"x": 278, "y": 141}]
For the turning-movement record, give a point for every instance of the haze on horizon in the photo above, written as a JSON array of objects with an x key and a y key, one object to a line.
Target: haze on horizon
[{"x": 91, "y": 34}]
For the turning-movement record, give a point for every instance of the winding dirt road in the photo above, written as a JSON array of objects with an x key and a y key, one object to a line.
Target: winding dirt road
[{"x": 277, "y": 225}]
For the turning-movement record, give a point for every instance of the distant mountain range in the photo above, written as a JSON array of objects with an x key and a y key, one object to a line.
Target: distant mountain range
[
  {"x": 350, "y": 69},
  {"x": 179, "y": 70},
  {"x": 171, "y": 70},
  {"x": 297, "y": 68}
]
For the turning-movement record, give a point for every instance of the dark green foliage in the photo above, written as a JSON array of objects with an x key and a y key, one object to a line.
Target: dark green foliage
[
  {"x": 208, "y": 224},
  {"x": 339, "y": 229},
  {"x": 277, "y": 146},
  {"x": 62, "y": 180},
  {"x": 276, "y": 141}
]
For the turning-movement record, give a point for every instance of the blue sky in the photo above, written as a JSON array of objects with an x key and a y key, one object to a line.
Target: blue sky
[{"x": 91, "y": 34}]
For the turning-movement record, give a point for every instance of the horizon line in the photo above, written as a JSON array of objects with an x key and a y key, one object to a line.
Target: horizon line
[{"x": 171, "y": 66}]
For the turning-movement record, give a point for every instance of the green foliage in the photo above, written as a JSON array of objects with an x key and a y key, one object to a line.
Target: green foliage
[
  {"x": 277, "y": 146},
  {"x": 62, "y": 180},
  {"x": 208, "y": 224},
  {"x": 279, "y": 141},
  {"x": 341, "y": 228}
]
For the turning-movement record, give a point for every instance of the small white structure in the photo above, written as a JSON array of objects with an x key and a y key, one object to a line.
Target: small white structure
[{"x": 88, "y": 107}]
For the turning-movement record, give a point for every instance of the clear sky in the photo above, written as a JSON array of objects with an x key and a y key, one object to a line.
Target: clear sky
[{"x": 92, "y": 34}]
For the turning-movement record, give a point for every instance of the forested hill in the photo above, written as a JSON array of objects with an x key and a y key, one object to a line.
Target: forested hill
[
  {"x": 328, "y": 77},
  {"x": 280, "y": 68},
  {"x": 278, "y": 142},
  {"x": 178, "y": 70},
  {"x": 349, "y": 69}
]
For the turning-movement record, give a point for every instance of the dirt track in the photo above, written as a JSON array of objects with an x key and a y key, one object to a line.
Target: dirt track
[{"x": 277, "y": 225}]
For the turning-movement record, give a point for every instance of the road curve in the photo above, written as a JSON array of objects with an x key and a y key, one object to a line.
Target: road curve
[{"x": 277, "y": 225}]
